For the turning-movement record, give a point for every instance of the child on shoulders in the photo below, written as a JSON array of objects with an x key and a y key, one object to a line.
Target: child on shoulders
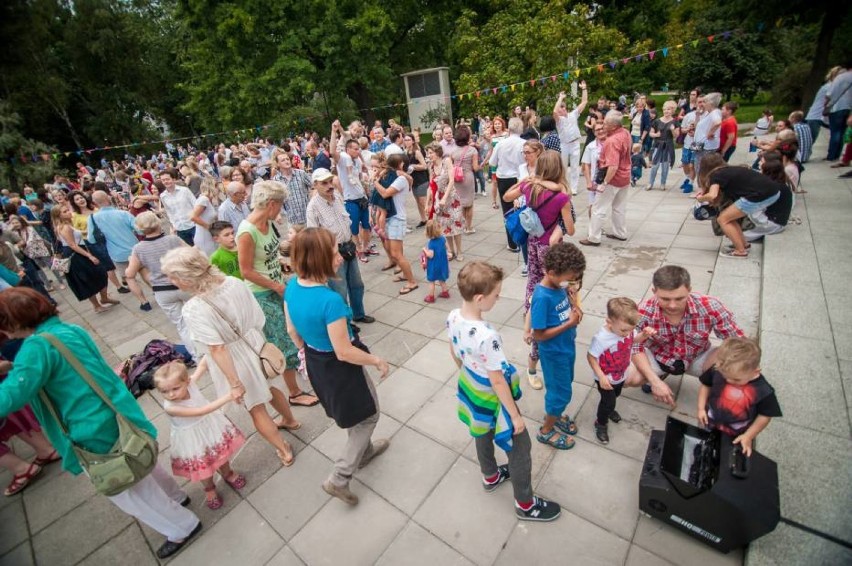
[
  {"x": 554, "y": 316},
  {"x": 488, "y": 389},
  {"x": 734, "y": 397}
]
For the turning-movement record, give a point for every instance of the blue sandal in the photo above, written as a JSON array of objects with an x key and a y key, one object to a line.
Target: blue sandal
[
  {"x": 566, "y": 425},
  {"x": 560, "y": 442}
]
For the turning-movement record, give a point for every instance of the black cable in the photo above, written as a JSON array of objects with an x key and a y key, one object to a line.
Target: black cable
[{"x": 820, "y": 534}]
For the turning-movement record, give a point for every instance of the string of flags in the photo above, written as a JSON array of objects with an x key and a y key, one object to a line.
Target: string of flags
[{"x": 610, "y": 65}]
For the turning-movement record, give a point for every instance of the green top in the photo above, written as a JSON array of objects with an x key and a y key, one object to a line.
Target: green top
[
  {"x": 265, "y": 254},
  {"x": 90, "y": 422},
  {"x": 227, "y": 262}
]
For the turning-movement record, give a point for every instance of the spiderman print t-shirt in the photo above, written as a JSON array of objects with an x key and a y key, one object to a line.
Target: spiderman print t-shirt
[
  {"x": 732, "y": 408},
  {"x": 613, "y": 354}
]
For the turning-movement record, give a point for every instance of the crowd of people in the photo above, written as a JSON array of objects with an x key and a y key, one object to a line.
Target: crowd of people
[{"x": 254, "y": 252}]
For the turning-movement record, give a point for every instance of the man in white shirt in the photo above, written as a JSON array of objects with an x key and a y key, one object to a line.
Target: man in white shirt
[
  {"x": 569, "y": 136},
  {"x": 507, "y": 158},
  {"x": 393, "y": 147},
  {"x": 590, "y": 163},
  {"x": 349, "y": 173},
  {"x": 707, "y": 128},
  {"x": 179, "y": 204},
  {"x": 687, "y": 126}
]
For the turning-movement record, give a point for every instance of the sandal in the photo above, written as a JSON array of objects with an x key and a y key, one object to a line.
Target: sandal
[
  {"x": 294, "y": 399},
  {"x": 214, "y": 502},
  {"x": 235, "y": 480},
  {"x": 51, "y": 458},
  {"x": 566, "y": 425},
  {"x": 429, "y": 299},
  {"x": 286, "y": 462},
  {"x": 555, "y": 439},
  {"x": 282, "y": 426},
  {"x": 399, "y": 279},
  {"x": 397, "y": 271},
  {"x": 20, "y": 481},
  {"x": 733, "y": 253},
  {"x": 444, "y": 294},
  {"x": 495, "y": 206},
  {"x": 406, "y": 290},
  {"x": 387, "y": 267}
]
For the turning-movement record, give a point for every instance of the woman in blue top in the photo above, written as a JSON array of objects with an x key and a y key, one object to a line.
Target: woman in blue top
[
  {"x": 318, "y": 321},
  {"x": 155, "y": 500}
]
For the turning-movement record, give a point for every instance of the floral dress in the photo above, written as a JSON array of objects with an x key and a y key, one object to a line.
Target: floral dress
[{"x": 448, "y": 218}]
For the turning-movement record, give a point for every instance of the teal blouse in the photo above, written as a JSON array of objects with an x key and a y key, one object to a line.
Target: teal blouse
[{"x": 90, "y": 422}]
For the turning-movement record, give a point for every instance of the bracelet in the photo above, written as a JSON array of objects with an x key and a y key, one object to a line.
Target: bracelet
[{"x": 236, "y": 386}]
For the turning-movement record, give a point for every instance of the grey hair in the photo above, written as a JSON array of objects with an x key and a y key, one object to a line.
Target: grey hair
[
  {"x": 614, "y": 118},
  {"x": 516, "y": 126},
  {"x": 713, "y": 99},
  {"x": 148, "y": 223},
  {"x": 233, "y": 187},
  {"x": 265, "y": 191},
  {"x": 192, "y": 267},
  {"x": 100, "y": 198}
]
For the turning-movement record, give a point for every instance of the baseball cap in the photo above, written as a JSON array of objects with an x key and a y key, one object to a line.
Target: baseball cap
[
  {"x": 321, "y": 174},
  {"x": 704, "y": 211}
]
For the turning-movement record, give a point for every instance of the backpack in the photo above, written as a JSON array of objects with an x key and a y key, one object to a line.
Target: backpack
[
  {"x": 531, "y": 223},
  {"x": 138, "y": 370}
]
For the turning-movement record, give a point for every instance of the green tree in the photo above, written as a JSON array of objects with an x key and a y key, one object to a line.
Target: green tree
[{"x": 17, "y": 151}]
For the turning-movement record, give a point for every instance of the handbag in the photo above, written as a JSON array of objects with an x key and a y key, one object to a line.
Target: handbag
[
  {"x": 272, "y": 360},
  {"x": 347, "y": 250},
  {"x": 100, "y": 239},
  {"x": 36, "y": 247},
  {"x": 61, "y": 265},
  {"x": 458, "y": 172},
  {"x": 132, "y": 457}
]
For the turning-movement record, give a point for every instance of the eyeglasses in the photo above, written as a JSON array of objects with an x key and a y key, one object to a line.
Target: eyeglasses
[{"x": 528, "y": 151}]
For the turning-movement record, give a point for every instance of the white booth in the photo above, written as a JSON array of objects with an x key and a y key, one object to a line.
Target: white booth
[{"x": 425, "y": 90}]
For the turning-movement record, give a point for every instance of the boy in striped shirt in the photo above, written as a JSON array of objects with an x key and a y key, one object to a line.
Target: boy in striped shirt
[{"x": 487, "y": 390}]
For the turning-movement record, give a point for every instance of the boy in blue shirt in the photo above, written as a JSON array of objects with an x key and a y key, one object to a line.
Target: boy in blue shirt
[{"x": 554, "y": 316}]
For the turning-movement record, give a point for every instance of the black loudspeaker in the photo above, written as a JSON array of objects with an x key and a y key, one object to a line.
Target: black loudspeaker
[{"x": 700, "y": 482}]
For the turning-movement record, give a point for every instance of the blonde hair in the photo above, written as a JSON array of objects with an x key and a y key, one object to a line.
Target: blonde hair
[
  {"x": 169, "y": 371},
  {"x": 637, "y": 148},
  {"x": 148, "y": 223},
  {"x": 478, "y": 278},
  {"x": 265, "y": 191},
  {"x": 211, "y": 188},
  {"x": 433, "y": 229},
  {"x": 670, "y": 105},
  {"x": 548, "y": 167},
  {"x": 622, "y": 309},
  {"x": 193, "y": 268},
  {"x": 741, "y": 354}
]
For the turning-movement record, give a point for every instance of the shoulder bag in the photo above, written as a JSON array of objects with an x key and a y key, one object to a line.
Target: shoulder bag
[
  {"x": 458, "y": 172},
  {"x": 132, "y": 457},
  {"x": 272, "y": 360}
]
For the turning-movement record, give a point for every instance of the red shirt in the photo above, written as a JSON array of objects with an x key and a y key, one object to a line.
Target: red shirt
[
  {"x": 689, "y": 339},
  {"x": 728, "y": 129},
  {"x": 616, "y": 153}
]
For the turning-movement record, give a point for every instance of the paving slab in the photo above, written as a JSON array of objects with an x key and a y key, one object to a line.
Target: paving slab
[
  {"x": 789, "y": 545},
  {"x": 438, "y": 420},
  {"x": 638, "y": 556},
  {"x": 415, "y": 546},
  {"x": 678, "y": 548},
  {"x": 128, "y": 547},
  {"x": 21, "y": 555},
  {"x": 14, "y": 530}
]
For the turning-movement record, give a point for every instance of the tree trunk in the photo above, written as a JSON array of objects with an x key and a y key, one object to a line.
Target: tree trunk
[
  {"x": 363, "y": 100},
  {"x": 819, "y": 65}
]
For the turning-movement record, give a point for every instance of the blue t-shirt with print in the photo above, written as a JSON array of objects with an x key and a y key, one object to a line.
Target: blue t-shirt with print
[
  {"x": 312, "y": 309},
  {"x": 549, "y": 308}
]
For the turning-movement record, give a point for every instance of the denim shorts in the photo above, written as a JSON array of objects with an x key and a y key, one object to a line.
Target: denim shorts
[
  {"x": 749, "y": 207},
  {"x": 357, "y": 216},
  {"x": 687, "y": 157},
  {"x": 395, "y": 228}
]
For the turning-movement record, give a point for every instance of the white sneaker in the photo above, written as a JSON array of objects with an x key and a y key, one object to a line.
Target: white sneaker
[
  {"x": 534, "y": 379},
  {"x": 574, "y": 192}
]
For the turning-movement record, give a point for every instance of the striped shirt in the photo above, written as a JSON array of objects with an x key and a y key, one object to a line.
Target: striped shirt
[
  {"x": 479, "y": 347},
  {"x": 150, "y": 251}
]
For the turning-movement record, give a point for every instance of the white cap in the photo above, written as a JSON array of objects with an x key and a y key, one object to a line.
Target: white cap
[{"x": 321, "y": 174}]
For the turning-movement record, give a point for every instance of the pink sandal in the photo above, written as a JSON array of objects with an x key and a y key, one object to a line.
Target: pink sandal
[
  {"x": 21, "y": 481},
  {"x": 214, "y": 502},
  {"x": 235, "y": 480}
]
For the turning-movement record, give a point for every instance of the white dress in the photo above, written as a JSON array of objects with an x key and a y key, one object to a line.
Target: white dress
[
  {"x": 200, "y": 445},
  {"x": 203, "y": 239},
  {"x": 207, "y": 328}
]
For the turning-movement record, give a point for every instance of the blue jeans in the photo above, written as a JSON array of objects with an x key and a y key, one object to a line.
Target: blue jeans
[
  {"x": 815, "y": 126},
  {"x": 349, "y": 285},
  {"x": 187, "y": 236},
  {"x": 836, "y": 125},
  {"x": 479, "y": 179}
]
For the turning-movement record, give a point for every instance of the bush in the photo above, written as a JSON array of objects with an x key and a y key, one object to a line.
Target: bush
[{"x": 788, "y": 87}]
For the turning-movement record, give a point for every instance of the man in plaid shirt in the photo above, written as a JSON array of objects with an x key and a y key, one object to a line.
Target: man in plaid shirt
[{"x": 683, "y": 321}]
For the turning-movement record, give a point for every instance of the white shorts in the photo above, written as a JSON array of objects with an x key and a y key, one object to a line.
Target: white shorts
[{"x": 696, "y": 368}]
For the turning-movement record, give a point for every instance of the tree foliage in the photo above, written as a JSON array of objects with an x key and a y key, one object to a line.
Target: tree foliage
[{"x": 13, "y": 170}]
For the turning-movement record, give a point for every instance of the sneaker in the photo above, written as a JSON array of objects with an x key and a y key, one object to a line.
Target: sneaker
[
  {"x": 687, "y": 190},
  {"x": 541, "y": 510},
  {"x": 421, "y": 224},
  {"x": 145, "y": 307},
  {"x": 429, "y": 299},
  {"x": 632, "y": 182},
  {"x": 379, "y": 446},
  {"x": 342, "y": 493},
  {"x": 646, "y": 388},
  {"x": 684, "y": 184},
  {"x": 574, "y": 192},
  {"x": 123, "y": 290},
  {"x": 534, "y": 379},
  {"x": 614, "y": 417},
  {"x": 513, "y": 250},
  {"x": 408, "y": 230},
  {"x": 444, "y": 294},
  {"x": 601, "y": 433},
  {"x": 366, "y": 319},
  {"x": 525, "y": 271},
  {"x": 502, "y": 475}
]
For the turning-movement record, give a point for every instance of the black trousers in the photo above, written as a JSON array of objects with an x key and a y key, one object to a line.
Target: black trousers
[
  {"x": 607, "y": 403},
  {"x": 504, "y": 185}
]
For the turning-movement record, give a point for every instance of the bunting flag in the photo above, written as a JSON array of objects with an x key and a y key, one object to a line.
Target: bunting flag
[{"x": 493, "y": 91}]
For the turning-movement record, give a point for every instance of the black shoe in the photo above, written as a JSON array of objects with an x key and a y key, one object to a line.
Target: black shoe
[
  {"x": 366, "y": 319},
  {"x": 355, "y": 328},
  {"x": 542, "y": 510},
  {"x": 513, "y": 250},
  {"x": 145, "y": 307},
  {"x": 601, "y": 433},
  {"x": 170, "y": 548},
  {"x": 186, "y": 502},
  {"x": 646, "y": 388},
  {"x": 615, "y": 417},
  {"x": 502, "y": 475},
  {"x": 123, "y": 290},
  {"x": 421, "y": 224}
]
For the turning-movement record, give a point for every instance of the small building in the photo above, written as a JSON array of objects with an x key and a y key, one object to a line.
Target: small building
[{"x": 425, "y": 90}]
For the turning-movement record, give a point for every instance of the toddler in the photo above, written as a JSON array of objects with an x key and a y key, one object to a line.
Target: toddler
[
  {"x": 609, "y": 356},
  {"x": 437, "y": 264},
  {"x": 284, "y": 247},
  {"x": 554, "y": 316},
  {"x": 382, "y": 208},
  {"x": 734, "y": 397},
  {"x": 488, "y": 389},
  {"x": 637, "y": 163},
  {"x": 202, "y": 438}
]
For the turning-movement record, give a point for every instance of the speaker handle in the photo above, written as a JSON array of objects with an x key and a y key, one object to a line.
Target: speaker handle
[{"x": 740, "y": 463}]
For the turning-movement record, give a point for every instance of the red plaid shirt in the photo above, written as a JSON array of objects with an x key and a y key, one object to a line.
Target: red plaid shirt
[{"x": 689, "y": 339}]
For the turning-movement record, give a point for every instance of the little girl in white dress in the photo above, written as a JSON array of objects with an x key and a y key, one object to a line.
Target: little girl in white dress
[{"x": 203, "y": 439}]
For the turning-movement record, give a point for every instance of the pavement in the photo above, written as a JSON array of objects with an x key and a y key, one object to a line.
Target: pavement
[{"x": 421, "y": 502}]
